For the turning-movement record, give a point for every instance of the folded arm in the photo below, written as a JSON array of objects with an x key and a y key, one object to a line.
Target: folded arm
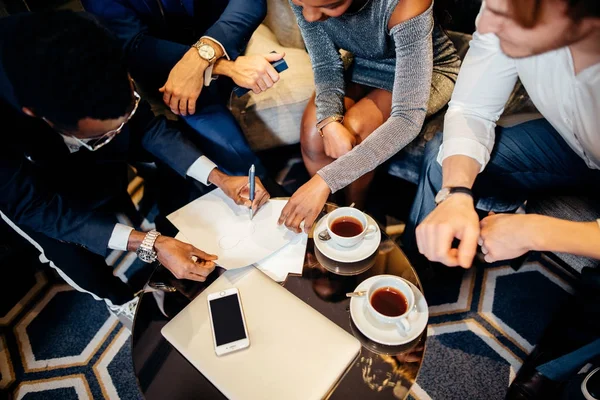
[
  {"x": 236, "y": 25},
  {"x": 143, "y": 51},
  {"x": 412, "y": 82}
]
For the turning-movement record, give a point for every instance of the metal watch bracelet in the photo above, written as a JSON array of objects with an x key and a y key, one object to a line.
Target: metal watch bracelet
[{"x": 324, "y": 122}]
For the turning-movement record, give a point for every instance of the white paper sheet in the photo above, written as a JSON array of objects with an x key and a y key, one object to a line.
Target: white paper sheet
[
  {"x": 288, "y": 260},
  {"x": 216, "y": 225}
]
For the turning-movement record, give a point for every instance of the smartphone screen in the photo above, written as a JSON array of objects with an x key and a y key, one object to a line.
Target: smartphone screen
[{"x": 227, "y": 319}]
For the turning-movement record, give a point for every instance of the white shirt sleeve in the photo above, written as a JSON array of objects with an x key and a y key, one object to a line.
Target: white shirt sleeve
[
  {"x": 120, "y": 237},
  {"x": 201, "y": 169},
  {"x": 485, "y": 82}
]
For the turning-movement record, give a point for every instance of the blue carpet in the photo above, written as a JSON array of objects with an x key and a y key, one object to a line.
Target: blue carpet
[
  {"x": 483, "y": 324},
  {"x": 56, "y": 343}
]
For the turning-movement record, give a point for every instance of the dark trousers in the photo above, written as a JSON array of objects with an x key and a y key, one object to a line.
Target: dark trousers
[
  {"x": 527, "y": 159},
  {"x": 219, "y": 135}
]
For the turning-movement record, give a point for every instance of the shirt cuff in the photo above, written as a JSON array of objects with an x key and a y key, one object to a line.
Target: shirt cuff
[
  {"x": 201, "y": 169},
  {"x": 219, "y": 43},
  {"x": 465, "y": 147},
  {"x": 119, "y": 237}
]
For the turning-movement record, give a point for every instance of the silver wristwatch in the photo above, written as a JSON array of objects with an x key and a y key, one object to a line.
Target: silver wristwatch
[{"x": 146, "y": 251}]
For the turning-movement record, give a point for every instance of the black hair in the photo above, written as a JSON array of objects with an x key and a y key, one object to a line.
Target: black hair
[
  {"x": 65, "y": 66},
  {"x": 579, "y": 9}
]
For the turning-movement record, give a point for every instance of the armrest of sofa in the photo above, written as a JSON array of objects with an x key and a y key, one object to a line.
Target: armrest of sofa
[
  {"x": 273, "y": 118},
  {"x": 282, "y": 22}
]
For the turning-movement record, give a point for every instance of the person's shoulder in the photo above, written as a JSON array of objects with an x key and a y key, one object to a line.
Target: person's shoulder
[{"x": 405, "y": 10}]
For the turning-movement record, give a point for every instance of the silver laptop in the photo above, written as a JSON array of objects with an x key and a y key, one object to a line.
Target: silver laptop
[{"x": 295, "y": 352}]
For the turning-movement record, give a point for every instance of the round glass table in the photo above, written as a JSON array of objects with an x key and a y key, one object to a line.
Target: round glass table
[{"x": 379, "y": 372}]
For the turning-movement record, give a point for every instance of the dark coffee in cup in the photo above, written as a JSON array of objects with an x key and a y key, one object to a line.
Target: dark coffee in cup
[
  {"x": 347, "y": 226},
  {"x": 389, "y": 302}
]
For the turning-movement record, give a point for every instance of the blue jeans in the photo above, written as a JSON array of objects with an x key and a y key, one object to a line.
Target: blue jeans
[
  {"x": 220, "y": 137},
  {"x": 528, "y": 159}
]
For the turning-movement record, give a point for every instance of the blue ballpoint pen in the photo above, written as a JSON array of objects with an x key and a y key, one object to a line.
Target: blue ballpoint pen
[{"x": 251, "y": 187}]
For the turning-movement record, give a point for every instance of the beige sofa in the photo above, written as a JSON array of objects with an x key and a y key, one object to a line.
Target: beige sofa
[{"x": 272, "y": 118}]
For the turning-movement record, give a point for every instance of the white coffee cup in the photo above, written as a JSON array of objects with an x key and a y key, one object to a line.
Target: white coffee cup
[
  {"x": 400, "y": 285},
  {"x": 344, "y": 241}
]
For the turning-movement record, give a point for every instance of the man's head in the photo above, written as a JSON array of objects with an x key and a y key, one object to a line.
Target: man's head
[
  {"x": 70, "y": 71},
  {"x": 529, "y": 27},
  {"x": 320, "y": 10}
]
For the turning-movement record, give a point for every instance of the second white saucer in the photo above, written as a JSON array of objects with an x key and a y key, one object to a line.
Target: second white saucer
[
  {"x": 387, "y": 333},
  {"x": 362, "y": 250}
]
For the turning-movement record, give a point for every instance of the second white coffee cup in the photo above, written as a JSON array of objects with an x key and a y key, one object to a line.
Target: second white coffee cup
[
  {"x": 349, "y": 241},
  {"x": 399, "y": 286}
]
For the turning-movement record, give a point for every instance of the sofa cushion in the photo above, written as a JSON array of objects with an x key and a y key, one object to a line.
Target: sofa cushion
[
  {"x": 273, "y": 118},
  {"x": 282, "y": 22}
]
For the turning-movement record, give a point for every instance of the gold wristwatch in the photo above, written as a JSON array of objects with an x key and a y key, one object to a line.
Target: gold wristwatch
[
  {"x": 324, "y": 122},
  {"x": 206, "y": 51}
]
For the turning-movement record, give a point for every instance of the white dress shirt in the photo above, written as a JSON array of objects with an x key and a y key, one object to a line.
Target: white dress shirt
[
  {"x": 569, "y": 102},
  {"x": 199, "y": 170}
]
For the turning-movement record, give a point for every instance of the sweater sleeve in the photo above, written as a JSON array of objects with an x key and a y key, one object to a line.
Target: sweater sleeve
[
  {"x": 327, "y": 66},
  {"x": 412, "y": 85}
]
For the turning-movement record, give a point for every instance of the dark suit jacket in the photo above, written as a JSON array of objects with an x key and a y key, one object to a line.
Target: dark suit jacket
[
  {"x": 156, "y": 33},
  {"x": 68, "y": 196}
]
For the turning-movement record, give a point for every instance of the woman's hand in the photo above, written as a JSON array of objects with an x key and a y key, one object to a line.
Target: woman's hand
[
  {"x": 305, "y": 205},
  {"x": 337, "y": 140}
]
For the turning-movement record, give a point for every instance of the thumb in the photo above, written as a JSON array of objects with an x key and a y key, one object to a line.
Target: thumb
[
  {"x": 491, "y": 213},
  {"x": 162, "y": 89},
  {"x": 202, "y": 255},
  {"x": 274, "y": 56}
]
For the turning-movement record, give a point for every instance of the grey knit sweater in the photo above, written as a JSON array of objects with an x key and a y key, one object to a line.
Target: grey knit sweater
[{"x": 407, "y": 45}]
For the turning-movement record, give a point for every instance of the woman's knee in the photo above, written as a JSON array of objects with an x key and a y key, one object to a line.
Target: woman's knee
[{"x": 310, "y": 140}]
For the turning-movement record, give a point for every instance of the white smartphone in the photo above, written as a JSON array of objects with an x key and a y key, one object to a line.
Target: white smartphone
[{"x": 227, "y": 321}]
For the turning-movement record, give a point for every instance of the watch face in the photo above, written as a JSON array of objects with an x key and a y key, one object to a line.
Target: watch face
[
  {"x": 441, "y": 195},
  {"x": 146, "y": 256},
  {"x": 206, "y": 52}
]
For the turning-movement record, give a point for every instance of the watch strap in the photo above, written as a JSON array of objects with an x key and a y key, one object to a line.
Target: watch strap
[
  {"x": 446, "y": 192},
  {"x": 326, "y": 121},
  {"x": 147, "y": 245},
  {"x": 461, "y": 189}
]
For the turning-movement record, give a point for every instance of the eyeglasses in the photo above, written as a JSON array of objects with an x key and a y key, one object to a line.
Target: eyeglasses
[{"x": 102, "y": 140}]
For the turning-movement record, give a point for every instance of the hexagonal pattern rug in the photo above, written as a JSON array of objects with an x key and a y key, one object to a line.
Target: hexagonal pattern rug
[{"x": 56, "y": 343}]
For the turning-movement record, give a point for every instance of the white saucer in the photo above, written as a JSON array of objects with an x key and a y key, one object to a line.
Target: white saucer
[
  {"x": 387, "y": 334},
  {"x": 362, "y": 250}
]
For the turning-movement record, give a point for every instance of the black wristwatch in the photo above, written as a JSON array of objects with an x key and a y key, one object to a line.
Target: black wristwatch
[{"x": 449, "y": 191}]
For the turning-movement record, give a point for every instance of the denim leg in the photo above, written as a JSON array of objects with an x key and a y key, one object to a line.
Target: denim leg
[
  {"x": 430, "y": 182},
  {"x": 566, "y": 366},
  {"x": 529, "y": 158},
  {"x": 220, "y": 137}
]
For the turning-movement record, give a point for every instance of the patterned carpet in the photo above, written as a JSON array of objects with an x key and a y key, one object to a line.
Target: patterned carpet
[{"x": 56, "y": 343}]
